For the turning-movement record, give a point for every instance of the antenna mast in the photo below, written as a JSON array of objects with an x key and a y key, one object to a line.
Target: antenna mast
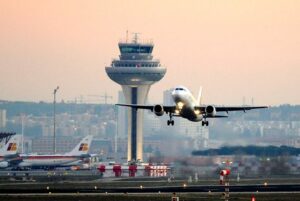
[{"x": 135, "y": 37}]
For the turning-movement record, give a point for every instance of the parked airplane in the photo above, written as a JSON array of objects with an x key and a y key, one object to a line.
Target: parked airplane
[
  {"x": 188, "y": 107},
  {"x": 9, "y": 152},
  {"x": 72, "y": 158}
]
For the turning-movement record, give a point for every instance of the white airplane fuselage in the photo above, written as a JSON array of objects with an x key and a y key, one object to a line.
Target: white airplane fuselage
[
  {"x": 185, "y": 104},
  {"x": 47, "y": 160},
  {"x": 74, "y": 157}
]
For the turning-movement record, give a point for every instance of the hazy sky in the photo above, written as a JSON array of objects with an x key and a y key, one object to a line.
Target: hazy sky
[{"x": 231, "y": 48}]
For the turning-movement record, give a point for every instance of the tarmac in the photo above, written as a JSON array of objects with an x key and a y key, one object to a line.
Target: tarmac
[{"x": 91, "y": 185}]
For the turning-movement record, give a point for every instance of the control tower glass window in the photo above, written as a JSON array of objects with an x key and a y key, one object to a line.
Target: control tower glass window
[{"x": 136, "y": 49}]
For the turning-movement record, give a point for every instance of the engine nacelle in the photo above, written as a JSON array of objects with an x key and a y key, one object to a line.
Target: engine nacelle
[
  {"x": 3, "y": 164},
  {"x": 210, "y": 111},
  {"x": 158, "y": 110}
]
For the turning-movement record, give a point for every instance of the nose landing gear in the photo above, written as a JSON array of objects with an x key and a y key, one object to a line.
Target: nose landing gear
[
  {"x": 204, "y": 123},
  {"x": 171, "y": 121}
]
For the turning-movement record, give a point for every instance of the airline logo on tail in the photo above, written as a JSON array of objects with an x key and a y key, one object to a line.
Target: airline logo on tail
[
  {"x": 12, "y": 147},
  {"x": 84, "y": 147}
]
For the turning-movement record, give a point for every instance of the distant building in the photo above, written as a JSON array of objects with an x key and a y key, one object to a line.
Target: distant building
[
  {"x": 101, "y": 146},
  {"x": 44, "y": 145},
  {"x": 167, "y": 99},
  {"x": 195, "y": 130},
  {"x": 153, "y": 124},
  {"x": 47, "y": 131},
  {"x": 2, "y": 118}
]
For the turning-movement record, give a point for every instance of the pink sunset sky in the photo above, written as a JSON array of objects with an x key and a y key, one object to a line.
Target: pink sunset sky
[{"x": 234, "y": 49}]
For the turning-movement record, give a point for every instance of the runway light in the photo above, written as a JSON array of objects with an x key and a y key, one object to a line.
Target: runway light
[
  {"x": 184, "y": 185},
  {"x": 95, "y": 187},
  {"x": 141, "y": 187},
  {"x": 47, "y": 188},
  {"x": 265, "y": 184}
]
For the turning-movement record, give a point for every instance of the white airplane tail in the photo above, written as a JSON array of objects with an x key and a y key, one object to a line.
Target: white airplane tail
[
  {"x": 12, "y": 146},
  {"x": 199, "y": 96},
  {"x": 82, "y": 147}
]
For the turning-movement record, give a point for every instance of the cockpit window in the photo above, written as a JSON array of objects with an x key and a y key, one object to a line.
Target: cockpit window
[{"x": 179, "y": 89}]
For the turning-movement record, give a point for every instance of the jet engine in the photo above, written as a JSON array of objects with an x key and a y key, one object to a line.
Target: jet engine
[
  {"x": 210, "y": 110},
  {"x": 3, "y": 164},
  {"x": 158, "y": 110}
]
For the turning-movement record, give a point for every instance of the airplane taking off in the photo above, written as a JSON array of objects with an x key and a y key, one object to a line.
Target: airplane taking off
[
  {"x": 8, "y": 153},
  {"x": 58, "y": 160},
  {"x": 188, "y": 107}
]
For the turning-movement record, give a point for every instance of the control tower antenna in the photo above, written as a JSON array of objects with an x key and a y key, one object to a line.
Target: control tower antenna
[
  {"x": 135, "y": 37},
  {"x": 127, "y": 36}
]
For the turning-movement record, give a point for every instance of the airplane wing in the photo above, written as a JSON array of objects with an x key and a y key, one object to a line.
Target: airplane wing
[
  {"x": 167, "y": 109},
  {"x": 229, "y": 109},
  {"x": 216, "y": 116}
]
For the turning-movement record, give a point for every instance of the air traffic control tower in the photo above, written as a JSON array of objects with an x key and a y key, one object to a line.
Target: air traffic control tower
[{"x": 135, "y": 70}]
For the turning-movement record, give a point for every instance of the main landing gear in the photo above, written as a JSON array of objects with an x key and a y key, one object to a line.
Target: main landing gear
[
  {"x": 171, "y": 121},
  {"x": 204, "y": 123}
]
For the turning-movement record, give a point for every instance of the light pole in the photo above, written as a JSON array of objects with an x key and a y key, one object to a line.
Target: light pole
[
  {"x": 54, "y": 129},
  {"x": 22, "y": 131}
]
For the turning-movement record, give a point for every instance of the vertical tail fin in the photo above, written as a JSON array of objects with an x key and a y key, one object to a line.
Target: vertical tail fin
[
  {"x": 12, "y": 146},
  {"x": 199, "y": 96},
  {"x": 82, "y": 147}
]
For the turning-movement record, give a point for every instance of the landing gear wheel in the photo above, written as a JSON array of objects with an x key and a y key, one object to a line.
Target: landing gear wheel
[
  {"x": 205, "y": 123},
  {"x": 171, "y": 121}
]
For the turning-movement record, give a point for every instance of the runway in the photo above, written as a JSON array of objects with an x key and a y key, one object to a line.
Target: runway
[{"x": 155, "y": 189}]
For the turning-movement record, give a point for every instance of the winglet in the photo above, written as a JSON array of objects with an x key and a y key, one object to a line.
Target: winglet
[{"x": 199, "y": 96}]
